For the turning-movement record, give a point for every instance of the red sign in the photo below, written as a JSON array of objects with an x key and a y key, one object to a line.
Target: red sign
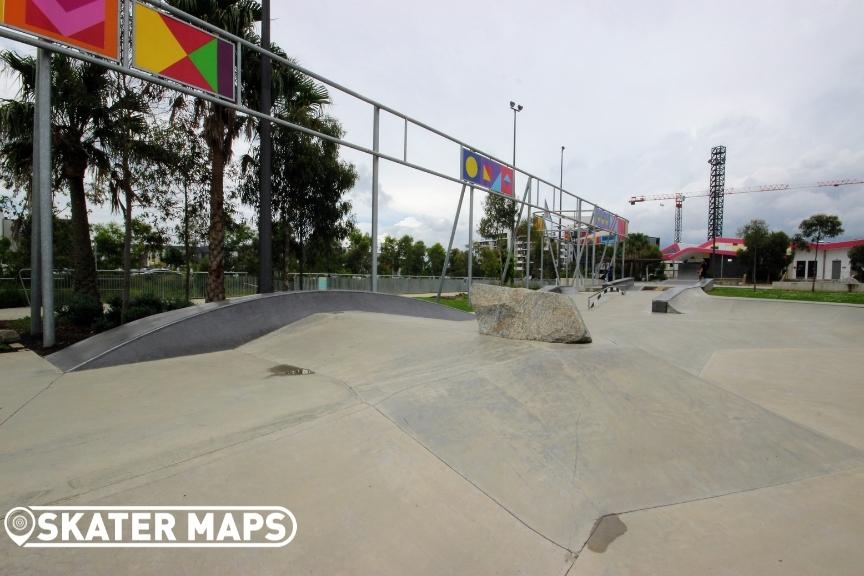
[{"x": 91, "y": 25}]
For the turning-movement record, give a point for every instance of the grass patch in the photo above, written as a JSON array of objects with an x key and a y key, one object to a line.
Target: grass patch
[
  {"x": 459, "y": 302},
  {"x": 804, "y": 295}
]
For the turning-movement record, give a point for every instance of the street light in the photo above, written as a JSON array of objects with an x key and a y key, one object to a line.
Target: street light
[
  {"x": 512, "y": 249},
  {"x": 516, "y": 108}
]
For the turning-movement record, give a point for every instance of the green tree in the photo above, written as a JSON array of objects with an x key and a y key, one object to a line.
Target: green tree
[
  {"x": 108, "y": 240},
  {"x": 241, "y": 247},
  {"x": 856, "y": 261},
  {"x": 755, "y": 235},
  {"x": 404, "y": 245},
  {"x": 416, "y": 264},
  {"x": 499, "y": 218},
  {"x": 815, "y": 230},
  {"x": 436, "y": 254},
  {"x": 458, "y": 263},
  {"x": 309, "y": 184},
  {"x": 221, "y": 126},
  {"x": 357, "y": 259},
  {"x": 489, "y": 262},
  {"x": 173, "y": 257},
  {"x": 80, "y": 123},
  {"x": 389, "y": 257},
  {"x": 137, "y": 161},
  {"x": 641, "y": 252}
]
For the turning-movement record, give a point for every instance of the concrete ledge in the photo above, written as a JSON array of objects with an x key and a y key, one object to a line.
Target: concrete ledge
[
  {"x": 663, "y": 303},
  {"x": 621, "y": 283},
  {"x": 225, "y": 325}
]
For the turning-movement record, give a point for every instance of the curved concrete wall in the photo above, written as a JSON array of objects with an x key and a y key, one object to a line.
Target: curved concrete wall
[{"x": 225, "y": 325}]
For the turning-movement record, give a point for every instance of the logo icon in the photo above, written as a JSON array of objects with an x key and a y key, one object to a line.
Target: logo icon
[{"x": 20, "y": 524}]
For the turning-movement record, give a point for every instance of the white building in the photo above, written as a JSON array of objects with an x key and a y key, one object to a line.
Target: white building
[
  {"x": 6, "y": 230},
  {"x": 831, "y": 263}
]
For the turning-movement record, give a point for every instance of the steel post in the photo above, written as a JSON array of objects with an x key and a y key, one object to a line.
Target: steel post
[
  {"x": 265, "y": 213},
  {"x": 470, "y": 240},
  {"x": 614, "y": 256},
  {"x": 577, "y": 271},
  {"x": 376, "y": 119},
  {"x": 450, "y": 244},
  {"x": 35, "y": 217},
  {"x": 623, "y": 261},
  {"x": 43, "y": 149},
  {"x": 513, "y": 232},
  {"x": 560, "y": 205},
  {"x": 528, "y": 228}
]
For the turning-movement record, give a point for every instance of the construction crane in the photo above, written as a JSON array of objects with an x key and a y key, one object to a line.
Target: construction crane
[{"x": 679, "y": 197}]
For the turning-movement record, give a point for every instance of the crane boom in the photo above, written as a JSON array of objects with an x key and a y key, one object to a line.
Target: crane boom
[
  {"x": 747, "y": 190},
  {"x": 679, "y": 197}
]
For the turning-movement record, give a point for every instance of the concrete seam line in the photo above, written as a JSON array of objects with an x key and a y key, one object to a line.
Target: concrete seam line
[
  {"x": 39, "y": 393},
  {"x": 466, "y": 479},
  {"x": 818, "y": 433},
  {"x": 716, "y": 496},
  {"x": 302, "y": 427}
]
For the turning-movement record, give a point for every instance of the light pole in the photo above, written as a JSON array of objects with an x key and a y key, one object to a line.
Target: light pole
[
  {"x": 516, "y": 109},
  {"x": 265, "y": 211}
]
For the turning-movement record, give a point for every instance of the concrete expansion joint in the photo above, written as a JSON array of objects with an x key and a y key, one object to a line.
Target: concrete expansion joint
[
  {"x": 29, "y": 400},
  {"x": 293, "y": 428},
  {"x": 599, "y": 521}
]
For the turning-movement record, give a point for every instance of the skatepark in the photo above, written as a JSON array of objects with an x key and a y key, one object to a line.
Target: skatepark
[{"x": 724, "y": 438}]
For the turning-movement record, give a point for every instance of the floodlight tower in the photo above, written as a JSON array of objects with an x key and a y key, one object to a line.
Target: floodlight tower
[{"x": 717, "y": 192}]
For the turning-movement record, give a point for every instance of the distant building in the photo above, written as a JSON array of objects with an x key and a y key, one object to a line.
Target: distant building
[
  {"x": 832, "y": 262},
  {"x": 6, "y": 230},
  {"x": 684, "y": 260}
]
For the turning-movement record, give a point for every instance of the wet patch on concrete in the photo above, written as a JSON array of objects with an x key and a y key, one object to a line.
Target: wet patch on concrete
[
  {"x": 606, "y": 530},
  {"x": 288, "y": 370}
]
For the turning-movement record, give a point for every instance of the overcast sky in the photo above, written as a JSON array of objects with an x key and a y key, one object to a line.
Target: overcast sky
[{"x": 638, "y": 92}]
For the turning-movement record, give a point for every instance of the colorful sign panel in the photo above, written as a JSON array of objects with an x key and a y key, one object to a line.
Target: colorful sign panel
[
  {"x": 184, "y": 53},
  {"x": 623, "y": 227},
  {"x": 91, "y": 25},
  {"x": 604, "y": 220},
  {"x": 487, "y": 173}
]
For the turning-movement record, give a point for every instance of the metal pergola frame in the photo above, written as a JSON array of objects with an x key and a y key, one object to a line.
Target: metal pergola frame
[{"x": 42, "y": 183}]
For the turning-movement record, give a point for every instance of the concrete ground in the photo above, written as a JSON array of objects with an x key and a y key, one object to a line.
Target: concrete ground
[
  {"x": 724, "y": 440},
  {"x": 14, "y": 313}
]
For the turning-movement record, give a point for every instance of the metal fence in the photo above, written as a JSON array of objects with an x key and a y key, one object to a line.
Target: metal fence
[
  {"x": 172, "y": 285},
  {"x": 162, "y": 285}
]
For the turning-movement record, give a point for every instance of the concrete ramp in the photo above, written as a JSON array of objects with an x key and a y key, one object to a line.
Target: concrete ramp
[
  {"x": 688, "y": 300},
  {"x": 681, "y": 297},
  {"x": 225, "y": 325}
]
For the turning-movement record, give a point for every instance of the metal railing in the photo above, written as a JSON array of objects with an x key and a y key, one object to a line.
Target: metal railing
[
  {"x": 161, "y": 285},
  {"x": 579, "y": 213}
]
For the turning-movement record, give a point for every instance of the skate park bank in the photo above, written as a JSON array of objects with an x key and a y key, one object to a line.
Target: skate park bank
[{"x": 726, "y": 438}]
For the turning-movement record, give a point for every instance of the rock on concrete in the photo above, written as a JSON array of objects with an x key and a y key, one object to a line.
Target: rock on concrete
[
  {"x": 8, "y": 336},
  {"x": 522, "y": 314}
]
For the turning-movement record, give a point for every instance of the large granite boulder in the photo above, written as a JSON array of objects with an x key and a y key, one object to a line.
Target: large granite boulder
[{"x": 523, "y": 314}]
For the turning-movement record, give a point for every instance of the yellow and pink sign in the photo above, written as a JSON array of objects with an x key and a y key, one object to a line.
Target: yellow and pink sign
[{"x": 91, "y": 25}]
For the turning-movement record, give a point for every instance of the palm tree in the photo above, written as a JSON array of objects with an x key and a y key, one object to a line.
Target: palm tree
[
  {"x": 80, "y": 119},
  {"x": 137, "y": 160},
  {"x": 222, "y": 126}
]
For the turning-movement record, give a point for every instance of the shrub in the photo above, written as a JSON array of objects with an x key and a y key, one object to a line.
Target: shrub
[
  {"x": 140, "y": 307},
  {"x": 81, "y": 310},
  {"x": 12, "y": 299}
]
